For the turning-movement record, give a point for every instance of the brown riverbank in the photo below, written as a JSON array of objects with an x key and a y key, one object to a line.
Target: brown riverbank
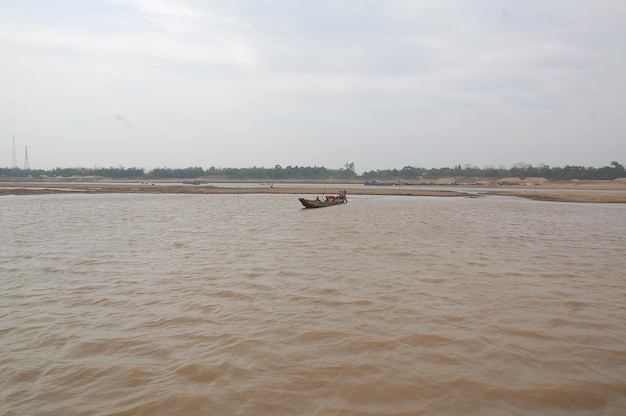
[
  {"x": 156, "y": 188},
  {"x": 600, "y": 192},
  {"x": 591, "y": 196}
]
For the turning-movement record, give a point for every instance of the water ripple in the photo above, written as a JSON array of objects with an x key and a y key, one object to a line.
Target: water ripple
[{"x": 201, "y": 304}]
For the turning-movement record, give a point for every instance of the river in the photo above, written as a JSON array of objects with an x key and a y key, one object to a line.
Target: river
[{"x": 126, "y": 304}]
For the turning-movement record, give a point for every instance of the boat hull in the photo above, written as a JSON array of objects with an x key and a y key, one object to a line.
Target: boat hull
[{"x": 313, "y": 203}]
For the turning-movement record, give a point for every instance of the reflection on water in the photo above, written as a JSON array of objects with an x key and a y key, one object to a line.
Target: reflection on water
[{"x": 248, "y": 304}]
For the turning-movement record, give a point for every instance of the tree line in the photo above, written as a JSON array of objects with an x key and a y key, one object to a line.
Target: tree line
[{"x": 612, "y": 171}]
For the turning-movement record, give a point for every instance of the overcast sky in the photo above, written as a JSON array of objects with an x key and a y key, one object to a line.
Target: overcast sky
[{"x": 381, "y": 83}]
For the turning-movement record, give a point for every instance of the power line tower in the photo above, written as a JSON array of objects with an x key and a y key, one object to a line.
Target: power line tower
[
  {"x": 26, "y": 162},
  {"x": 14, "y": 164}
]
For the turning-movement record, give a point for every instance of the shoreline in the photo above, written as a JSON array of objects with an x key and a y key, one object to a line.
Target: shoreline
[{"x": 556, "y": 192}]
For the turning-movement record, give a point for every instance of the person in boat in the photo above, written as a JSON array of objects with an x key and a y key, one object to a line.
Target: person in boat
[{"x": 317, "y": 198}]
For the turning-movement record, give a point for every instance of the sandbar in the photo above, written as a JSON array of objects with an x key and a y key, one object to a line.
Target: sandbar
[{"x": 590, "y": 193}]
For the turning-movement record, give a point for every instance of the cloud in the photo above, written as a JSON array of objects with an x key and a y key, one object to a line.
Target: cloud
[{"x": 345, "y": 75}]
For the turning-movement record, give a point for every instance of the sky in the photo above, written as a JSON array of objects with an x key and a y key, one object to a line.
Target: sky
[{"x": 381, "y": 83}]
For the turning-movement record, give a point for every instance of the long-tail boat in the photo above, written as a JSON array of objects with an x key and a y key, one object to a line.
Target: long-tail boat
[{"x": 328, "y": 201}]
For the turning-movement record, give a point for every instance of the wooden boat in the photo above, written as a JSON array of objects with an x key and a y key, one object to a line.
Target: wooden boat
[{"x": 329, "y": 201}]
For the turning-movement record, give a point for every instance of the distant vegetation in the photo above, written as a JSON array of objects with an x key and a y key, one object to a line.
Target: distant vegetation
[{"x": 612, "y": 171}]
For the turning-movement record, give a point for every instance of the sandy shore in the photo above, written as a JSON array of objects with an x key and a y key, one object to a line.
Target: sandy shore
[
  {"x": 568, "y": 196},
  {"x": 589, "y": 192},
  {"x": 156, "y": 188}
]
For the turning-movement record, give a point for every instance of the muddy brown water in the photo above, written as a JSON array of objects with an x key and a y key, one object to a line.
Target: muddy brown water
[{"x": 125, "y": 304}]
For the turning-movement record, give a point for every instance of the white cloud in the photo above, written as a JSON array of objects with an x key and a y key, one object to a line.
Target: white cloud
[{"x": 347, "y": 76}]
